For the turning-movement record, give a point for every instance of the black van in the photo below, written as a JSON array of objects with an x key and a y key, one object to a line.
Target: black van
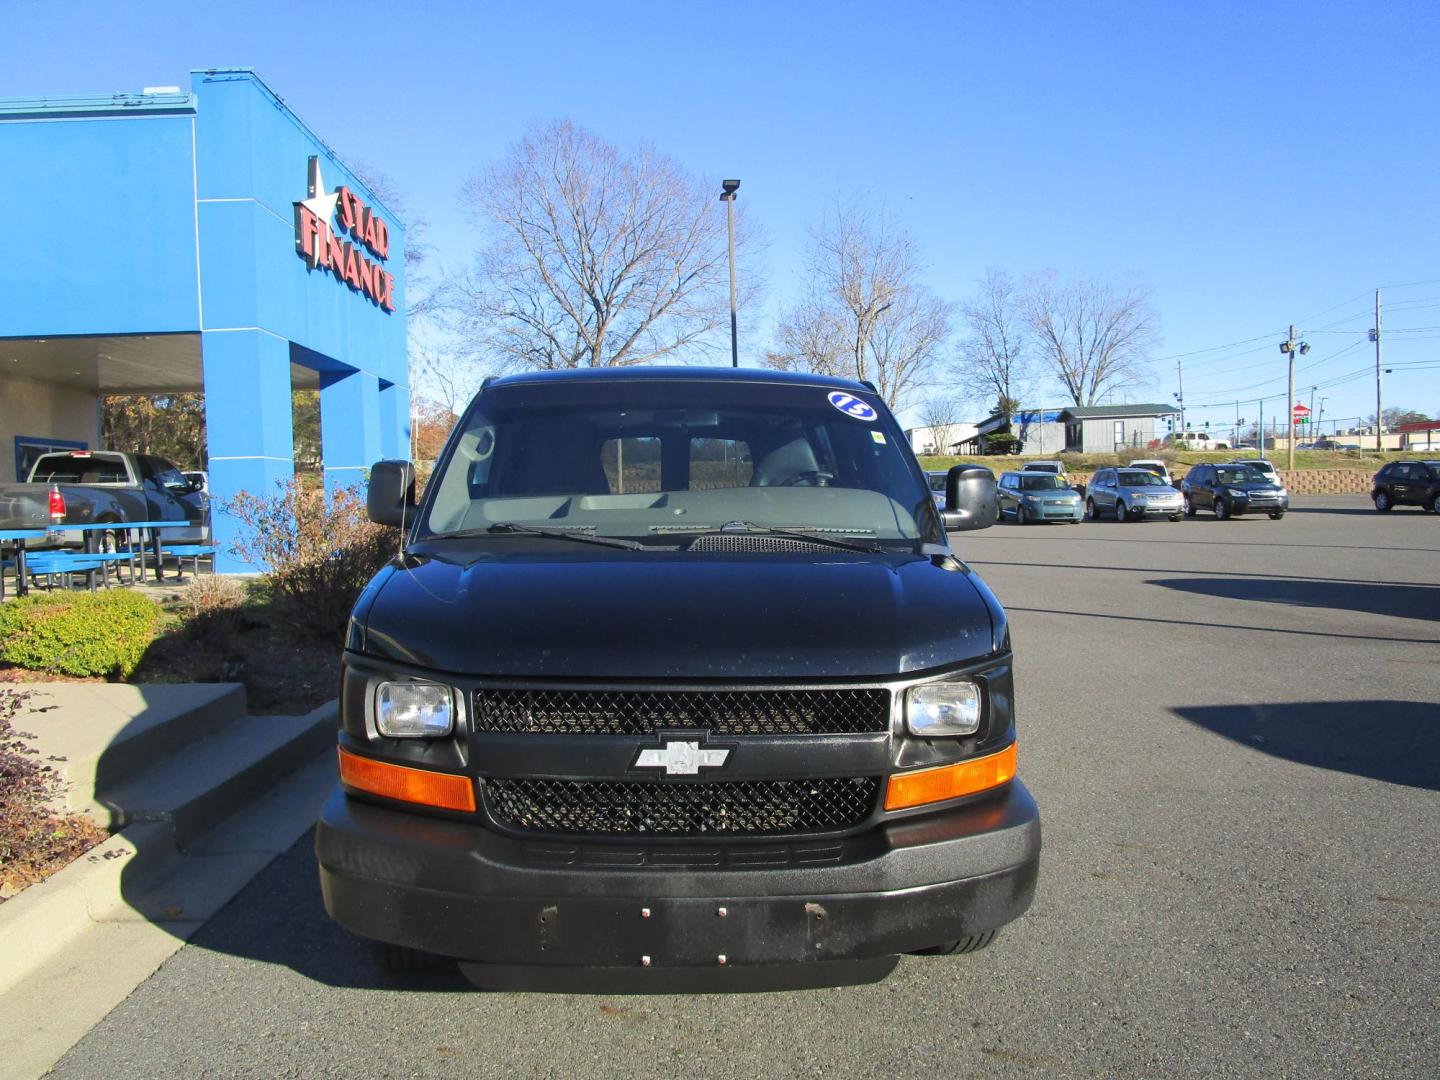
[{"x": 677, "y": 684}]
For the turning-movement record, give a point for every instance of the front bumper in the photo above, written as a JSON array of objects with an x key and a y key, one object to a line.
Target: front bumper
[
  {"x": 1057, "y": 511},
  {"x": 516, "y": 906},
  {"x": 1262, "y": 505},
  {"x": 1171, "y": 509}
]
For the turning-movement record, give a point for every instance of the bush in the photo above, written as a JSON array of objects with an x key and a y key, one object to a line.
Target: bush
[
  {"x": 82, "y": 634},
  {"x": 319, "y": 550},
  {"x": 214, "y": 610},
  {"x": 34, "y": 842}
]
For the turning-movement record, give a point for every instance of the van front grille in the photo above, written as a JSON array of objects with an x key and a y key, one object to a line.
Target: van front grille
[
  {"x": 704, "y": 808},
  {"x": 721, "y": 712}
]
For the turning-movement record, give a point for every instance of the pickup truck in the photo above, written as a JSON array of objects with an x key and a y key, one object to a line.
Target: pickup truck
[
  {"x": 677, "y": 683},
  {"x": 86, "y": 487}
]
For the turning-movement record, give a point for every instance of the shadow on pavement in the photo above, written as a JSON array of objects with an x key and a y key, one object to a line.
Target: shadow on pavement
[
  {"x": 1397, "y": 742},
  {"x": 280, "y": 919},
  {"x": 1394, "y": 601}
]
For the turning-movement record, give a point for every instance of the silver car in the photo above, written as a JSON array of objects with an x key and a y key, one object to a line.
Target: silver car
[
  {"x": 1131, "y": 494},
  {"x": 1037, "y": 496}
]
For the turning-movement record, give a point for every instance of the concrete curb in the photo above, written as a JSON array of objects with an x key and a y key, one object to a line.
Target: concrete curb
[{"x": 74, "y": 946}]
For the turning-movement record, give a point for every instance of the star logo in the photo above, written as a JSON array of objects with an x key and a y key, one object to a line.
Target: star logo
[{"x": 319, "y": 203}]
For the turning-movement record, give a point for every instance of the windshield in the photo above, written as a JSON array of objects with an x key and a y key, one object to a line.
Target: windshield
[
  {"x": 652, "y": 460},
  {"x": 1241, "y": 475},
  {"x": 1139, "y": 478},
  {"x": 937, "y": 481},
  {"x": 1041, "y": 482},
  {"x": 1043, "y": 467}
]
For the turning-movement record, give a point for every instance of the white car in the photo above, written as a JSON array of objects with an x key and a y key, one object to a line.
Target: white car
[
  {"x": 1260, "y": 465},
  {"x": 1156, "y": 466},
  {"x": 1198, "y": 440}
]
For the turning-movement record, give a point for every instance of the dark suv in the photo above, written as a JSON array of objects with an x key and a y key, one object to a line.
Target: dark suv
[
  {"x": 1407, "y": 483},
  {"x": 1231, "y": 490},
  {"x": 676, "y": 682}
]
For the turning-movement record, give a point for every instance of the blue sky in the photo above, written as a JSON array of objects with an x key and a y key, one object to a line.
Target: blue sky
[{"x": 1253, "y": 164}]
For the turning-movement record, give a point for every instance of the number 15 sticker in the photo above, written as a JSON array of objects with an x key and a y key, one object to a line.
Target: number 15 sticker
[{"x": 852, "y": 406}]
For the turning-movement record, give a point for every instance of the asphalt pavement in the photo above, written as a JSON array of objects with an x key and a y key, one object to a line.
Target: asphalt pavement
[{"x": 1233, "y": 733}]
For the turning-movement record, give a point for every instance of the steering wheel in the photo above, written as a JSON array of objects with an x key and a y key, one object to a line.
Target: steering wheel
[{"x": 808, "y": 478}]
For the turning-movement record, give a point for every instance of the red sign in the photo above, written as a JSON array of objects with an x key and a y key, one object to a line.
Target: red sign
[
  {"x": 1300, "y": 410},
  {"x": 318, "y": 239}
]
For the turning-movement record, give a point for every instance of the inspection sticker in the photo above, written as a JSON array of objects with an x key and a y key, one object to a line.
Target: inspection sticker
[
  {"x": 852, "y": 406},
  {"x": 878, "y": 436}
]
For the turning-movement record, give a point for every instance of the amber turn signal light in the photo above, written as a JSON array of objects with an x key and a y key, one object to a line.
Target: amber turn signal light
[
  {"x": 445, "y": 790},
  {"x": 950, "y": 781}
]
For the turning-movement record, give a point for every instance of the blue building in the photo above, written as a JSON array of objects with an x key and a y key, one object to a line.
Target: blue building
[{"x": 204, "y": 241}]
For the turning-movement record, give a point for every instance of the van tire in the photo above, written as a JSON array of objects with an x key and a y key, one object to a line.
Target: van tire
[{"x": 973, "y": 943}]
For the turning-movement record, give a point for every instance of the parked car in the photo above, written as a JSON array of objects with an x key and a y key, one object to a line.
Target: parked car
[
  {"x": 1029, "y": 496},
  {"x": 1156, "y": 466},
  {"x": 1232, "y": 489},
  {"x": 1198, "y": 440},
  {"x": 87, "y": 487},
  {"x": 1131, "y": 495},
  {"x": 1407, "y": 483},
  {"x": 1260, "y": 465},
  {"x": 591, "y": 730},
  {"x": 1055, "y": 468}
]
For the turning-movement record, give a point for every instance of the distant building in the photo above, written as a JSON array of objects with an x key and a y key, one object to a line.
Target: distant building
[
  {"x": 927, "y": 440},
  {"x": 1420, "y": 435},
  {"x": 1090, "y": 429}
]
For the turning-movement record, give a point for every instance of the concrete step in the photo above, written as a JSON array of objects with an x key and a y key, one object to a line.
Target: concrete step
[
  {"x": 201, "y": 784},
  {"x": 98, "y": 735}
]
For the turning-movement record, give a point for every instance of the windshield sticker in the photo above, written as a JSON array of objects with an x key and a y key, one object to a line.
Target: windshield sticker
[
  {"x": 878, "y": 436},
  {"x": 852, "y": 406}
]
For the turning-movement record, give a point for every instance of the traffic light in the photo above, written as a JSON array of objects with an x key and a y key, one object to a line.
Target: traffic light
[{"x": 1207, "y": 425}]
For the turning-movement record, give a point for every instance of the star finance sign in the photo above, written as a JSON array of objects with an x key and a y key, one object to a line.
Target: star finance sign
[{"x": 321, "y": 223}]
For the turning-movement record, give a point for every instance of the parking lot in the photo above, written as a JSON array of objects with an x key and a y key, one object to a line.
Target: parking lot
[{"x": 1233, "y": 733}]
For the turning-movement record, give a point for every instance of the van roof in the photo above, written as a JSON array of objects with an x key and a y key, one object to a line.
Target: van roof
[{"x": 673, "y": 373}]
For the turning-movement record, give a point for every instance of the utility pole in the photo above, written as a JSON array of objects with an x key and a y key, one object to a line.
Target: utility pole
[
  {"x": 1322, "y": 410},
  {"x": 728, "y": 198},
  {"x": 1290, "y": 347},
  {"x": 1180, "y": 375},
  {"x": 1260, "y": 431},
  {"x": 1379, "y": 406}
]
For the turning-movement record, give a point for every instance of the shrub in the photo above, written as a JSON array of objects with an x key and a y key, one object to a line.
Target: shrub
[
  {"x": 213, "y": 609},
  {"x": 34, "y": 841},
  {"x": 83, "y": 634},
  {"x": 319, "y": 550}
]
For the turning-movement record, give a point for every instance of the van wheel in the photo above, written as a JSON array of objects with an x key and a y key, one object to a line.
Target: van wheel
[
  {"x": 402, "y": 957},
  {"x": 973, "y": 943}
]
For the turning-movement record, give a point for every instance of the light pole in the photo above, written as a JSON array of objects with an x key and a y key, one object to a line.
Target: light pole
[
  {"x": 727, "y": 196},
  {"x": 1290, "y": 347}
]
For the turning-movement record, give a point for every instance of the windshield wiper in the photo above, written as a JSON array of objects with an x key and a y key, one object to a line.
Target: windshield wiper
[
  {"x": 501, "y": 527},
  {"x": 778, "y": 530}
]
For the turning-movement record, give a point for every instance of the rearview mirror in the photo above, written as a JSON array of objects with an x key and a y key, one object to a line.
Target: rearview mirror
[
  {"x": 971, "y": 501},
  {"x": 390, "y": 498}
]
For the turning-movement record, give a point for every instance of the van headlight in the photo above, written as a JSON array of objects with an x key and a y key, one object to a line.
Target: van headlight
[
  {"x": 414, "y": 710},
  {"x": 934, "y": 710}
]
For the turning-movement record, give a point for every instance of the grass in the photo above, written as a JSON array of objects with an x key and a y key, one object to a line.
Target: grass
[{"x": 1363, "y": 461}]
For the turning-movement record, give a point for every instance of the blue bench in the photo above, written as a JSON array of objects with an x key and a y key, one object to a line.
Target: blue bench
[
  {"x": 181, "y": 552},
  {"x": 50, "y": 564}
]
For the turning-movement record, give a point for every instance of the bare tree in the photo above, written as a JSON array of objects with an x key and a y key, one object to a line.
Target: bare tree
[
  {"x": 942, "y": 416},
  {"x": 1090, "y": 335},
  {"x": 596, "y": 256},
  {"x": 867, "y": 316},
  {"x": 445, "y": 375},
  {"x": 995, "y": 360}
]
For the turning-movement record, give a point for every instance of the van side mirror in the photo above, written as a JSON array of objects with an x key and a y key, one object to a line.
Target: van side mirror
[
  {"x": 971, "y": 501},
  {"x": 390, "y": 498}
]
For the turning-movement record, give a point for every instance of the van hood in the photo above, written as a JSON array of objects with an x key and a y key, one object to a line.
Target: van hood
[{"x": 650, "y": 615}]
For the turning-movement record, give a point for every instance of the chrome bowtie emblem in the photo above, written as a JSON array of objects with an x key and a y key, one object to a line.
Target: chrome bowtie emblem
[{"x": 682, "y": 757}]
